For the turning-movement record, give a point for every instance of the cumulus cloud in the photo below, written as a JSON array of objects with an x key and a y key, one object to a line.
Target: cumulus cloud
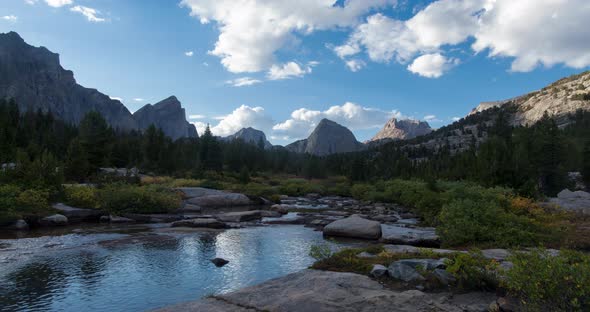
[
  {"x": 351, "y": 115},
  {"x": 252, "y": 31},
  {"x": 189, "y": 53},
  {"x": 243, "y": 117},
  {"x": 533, "y": 32},
  {"x": 92, "y": 15},
  {"x": 243, "y": 81},
  {"x": 432, "y": 65},
  {"x": 10, "y": 18},
  {"x": 289, "y": 70},
  {"x": 355, "y": 65},
  {"x": 456, "y": 118},
  {"x": 56, "y": 3}
]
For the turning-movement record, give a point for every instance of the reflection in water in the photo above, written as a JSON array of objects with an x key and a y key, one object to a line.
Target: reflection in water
[{"x": 140, "y": 272}]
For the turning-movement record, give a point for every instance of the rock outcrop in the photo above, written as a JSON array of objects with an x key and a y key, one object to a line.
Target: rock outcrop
[
  {"x": 251, "y": 136},
  {"x": 204, "y": 197},
  {"x": 322, "y": 291},
  {"x": 327, "y": 138},
  {"x": 167, "y": 115},
  {"x": 34, "y": 78},
  {"x": 401, "y": 129},
  {"x": 578, "y": 201}
]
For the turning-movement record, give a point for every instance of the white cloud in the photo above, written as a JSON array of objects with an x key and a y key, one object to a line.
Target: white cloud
[
  {"x": 355, "y": 65},
  {"x": 533, "y": 32},
  {"x": 116, "y": 98},
  {"x": 54, "y": 3},
  {"x": 10, "y": 18},
  {"x": 90, "y": 13},
  {"x": 243, "y": 117},
  {"x": 205, "y": 64},
  {"x": 456, "y": 118},
  {"x": 243, "y": 81},
  {"x": 251, "y": 31},
  {"x": 189, "y": 53},
  {"x": 351, "y": 115},
  {"x": 138, "y": 99},
  {"x": 432, "y": 65},
  {"x": 201, "y": 126},
  {"x": 289, "y": 70},
  {"x": 197, "y": 116}
]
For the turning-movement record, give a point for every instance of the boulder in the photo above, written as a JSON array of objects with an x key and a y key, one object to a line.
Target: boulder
[
  {"x": 378, "y": 270},
  {"x": 282, "y": 209},
  {"x": 190, "y": 208},
  {"x": 578, "y": 201},
  {"x": 444, "y": 277},
  {"x": 219, "y": 262},
  {"x": 270, "y": 214},
  {"x": 54, "y": 220},
  {"x": 240, "y": 216},
  {"x": 20, "y": 225},
  {"x": 200, "y": 223},
  {"x": 404, "y": 272},
  {"x": 191, "y": 192},
  {"x": 77, "y": 214},
  {"x": 422, "y": 237},
  {"x": 355, "y": 227}
]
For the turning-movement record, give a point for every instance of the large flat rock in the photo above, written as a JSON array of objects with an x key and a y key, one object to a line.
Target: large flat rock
[
  {"x": 578, "y": 201},
  {"x": 240, "y": 216},
  {"x": 204, "y": 197},
  {"x": 422, "y": 237},
  {"x": 355, "y": 227},
  {"x": 77, "y": 214},
  {"x": 322, "y": 291}
]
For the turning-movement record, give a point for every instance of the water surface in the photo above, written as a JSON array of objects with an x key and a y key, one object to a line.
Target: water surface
[{"x": 118, "y": 271}]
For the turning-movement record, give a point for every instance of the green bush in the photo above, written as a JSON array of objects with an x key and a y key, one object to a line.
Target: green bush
[
  {"x": 81, "y": 196},
  {"x": 122, "y": 198},
  {"x": 550, "y": 283},
  {"x": 298, "y": 187},
  {"x": 320, "y": 252},
  {"x": 16, "y": 204},
  {"x": 362, "y": 191},
  {"x": 473, "y": 271},
  {"x": 470, "y": 222}
]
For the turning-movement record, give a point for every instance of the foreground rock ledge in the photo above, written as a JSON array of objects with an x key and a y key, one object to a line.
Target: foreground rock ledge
[{"x": 322, "y": 291}]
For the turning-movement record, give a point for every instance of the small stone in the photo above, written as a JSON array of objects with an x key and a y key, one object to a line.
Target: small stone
[
  {"x": 378, "y": 270},
  {"x": 219, "y": 262},
  {"x": 20, "y": 225},
  {"x": 55, "y": 220}
]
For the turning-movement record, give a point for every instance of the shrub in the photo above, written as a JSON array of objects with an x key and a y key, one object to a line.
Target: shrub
[
  {"x": 81, "y": 196},
  {"x": 298, "y": 187},
  {"x": 550, "y": 283},
  {"x": 185, "y": 183},
  {"x": 155, "y": 180},
  {"x": 16, "y": 204},
  {"x": 473, "y": 271},
  {"x": 121, "y": 198},
  {"x": 320, "y": 252},
  {"x": 362, "y": 191}
]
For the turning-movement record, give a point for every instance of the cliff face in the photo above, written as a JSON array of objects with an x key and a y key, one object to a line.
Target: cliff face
[
  {"x": 167, "y": 115},
  {"x": 402, "y": 129},
  {"x": 327, "y": 138},
  {"x": 250, "y": 135},
  {"x": 35, "y": 79}
]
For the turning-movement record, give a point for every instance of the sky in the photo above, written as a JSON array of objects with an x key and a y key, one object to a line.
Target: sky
[{"x": 281, "y": 65}]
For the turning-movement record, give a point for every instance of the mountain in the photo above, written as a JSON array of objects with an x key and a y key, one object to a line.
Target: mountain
[
  {"x": 167, "y": 115},
  {"x": 34, "y": 78},
  {"x": 250, "y": 135},
  {"x": 327, "y": 138},
  {"x": 558, "y": 100},
  {"x": 403, "y": 129}
]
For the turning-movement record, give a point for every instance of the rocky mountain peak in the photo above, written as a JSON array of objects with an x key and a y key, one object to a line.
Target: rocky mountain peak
[
  {"x": 327, "y": 138},
  {"x": 167, "y": 115},
  {"x": 402, "y": 129},
  {"x": 250, "y": 135}
]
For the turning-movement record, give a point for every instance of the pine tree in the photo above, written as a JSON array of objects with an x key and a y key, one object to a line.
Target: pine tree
[
  {"x": 94, "y": 138},
  {"x": 76, "y": 165},
  {"x": 586, "y": 164}
]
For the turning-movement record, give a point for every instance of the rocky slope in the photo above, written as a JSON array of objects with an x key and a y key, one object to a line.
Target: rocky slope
[
  {"x": 167, "y": 115},
  {"x": 34, "y": 77},
  {"x": 558, "y": 99},
  {"x": 401, "y": 129},
  {"x": 250, "y": 135},
  {"x": 327, "y": 138}
]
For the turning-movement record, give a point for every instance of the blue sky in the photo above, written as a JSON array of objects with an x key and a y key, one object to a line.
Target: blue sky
[{"x": 431, "y": 60}]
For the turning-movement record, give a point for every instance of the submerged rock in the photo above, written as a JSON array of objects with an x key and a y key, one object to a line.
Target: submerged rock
[
  {"x": 219, "y": 262},
  {"x": 200, "y": 223},
  {"x": 355, "y": 227}
]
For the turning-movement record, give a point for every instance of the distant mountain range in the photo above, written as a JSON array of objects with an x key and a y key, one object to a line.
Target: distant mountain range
[
  {"x": 34, "y": 77},
  {"x": 36, "y": 80}
]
